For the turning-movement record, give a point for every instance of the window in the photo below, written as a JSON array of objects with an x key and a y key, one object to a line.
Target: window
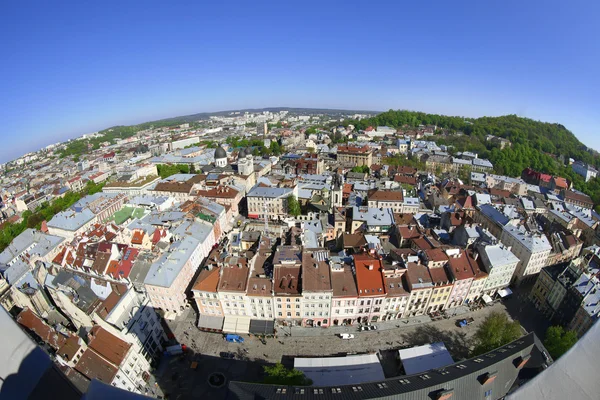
[{"x": 404, "y": 381}]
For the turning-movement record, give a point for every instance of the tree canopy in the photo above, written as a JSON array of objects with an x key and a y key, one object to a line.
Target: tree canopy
[
  {"x": 166, "y": 170},
  {"x": 293, "y": 207},
  {"x": 495, "y": 331},
  {"x": 44, "y": 212},
  {"x": 558, "y": 341},
  {"x": 542, "y": 146},
  {"x": 280, "y": 375},
  {"x": 361, "y": 168}
]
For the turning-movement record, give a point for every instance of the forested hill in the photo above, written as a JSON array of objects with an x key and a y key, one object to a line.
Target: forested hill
[
  {"x": 543, "y": 146},
  {"x": 549, "y": 138}
]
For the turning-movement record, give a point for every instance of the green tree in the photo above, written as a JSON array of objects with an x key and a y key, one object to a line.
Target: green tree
[
  {"x": 166, "y": 170},
  {"x": 361, "y": 168},
  {"x": 558, "y": 340},
  {"x": 293, "y": 207},
  {"x": 495, "y": 331},
  {"x": 280, "y": 375}
]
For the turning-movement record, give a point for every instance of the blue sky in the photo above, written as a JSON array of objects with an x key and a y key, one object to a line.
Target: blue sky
[{"x": 70, "y": 68}]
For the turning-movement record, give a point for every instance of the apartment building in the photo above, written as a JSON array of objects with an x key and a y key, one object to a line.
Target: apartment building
[
  {"x": 461, "y": 274},
  {"x": 113, "y": 361},
  {"x": 259, "y": 293},
  {"x": 223, "y": 195},
  {"x": 231, "y": 291},
  {"x": 479, "y": 280},
  {"x": 103, "y": 205},
  {"x": 386, "y": 199},
  {"x": 287, "y": 267},
  {"x": 586, "y": 292},
  {"x": 269, "y": 201},
  {"x": 420, "y": 287},
  {"x": 577, "y": 199},
  {"x": 396, "y": 292},
  {"x": 532, "y": 250},
  {"x": 355, "y": 155},
  {"x": 136, "y": 319},
  {"x": 207, "y": 300},
  {"x": 585, "y": 170},
  {"x": 317, "y": 291},
  {"x": 372, "y": 221},
  {"x": 345, "y": 293},
  {"x": 371, "y": 288},
  {"x": 500, "y": 264},
  {"x": 442, "y": 287},
  {"x": 551, "y": 287},
  {"x": 169, "y": 276}
]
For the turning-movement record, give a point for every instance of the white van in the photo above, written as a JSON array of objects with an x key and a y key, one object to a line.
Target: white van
[{"x": 346, "y": 336}]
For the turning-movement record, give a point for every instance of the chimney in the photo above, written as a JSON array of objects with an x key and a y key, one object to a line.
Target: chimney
[
  {"x": 476, "y": 256},
  {"x": 370, "y": 267}
]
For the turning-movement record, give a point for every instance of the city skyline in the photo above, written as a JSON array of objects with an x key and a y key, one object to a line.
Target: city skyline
[{"x": 75, "y": 70}]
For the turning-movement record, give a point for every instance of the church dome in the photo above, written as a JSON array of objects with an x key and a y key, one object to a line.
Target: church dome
[{"x": 220, "y": 153}]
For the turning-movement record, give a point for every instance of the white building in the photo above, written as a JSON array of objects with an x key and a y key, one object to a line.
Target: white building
[
  {"x": 500, "y": 264},
  {"x": 316, "y": 288},
  {"x": 532, "y": 250},
  {"x": 585, "y": 170}
]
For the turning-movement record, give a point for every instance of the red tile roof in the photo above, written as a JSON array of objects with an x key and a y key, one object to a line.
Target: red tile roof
[
  {"x": 208, "y": 280},
  {"x": 369, "y": 276},
  {"x": 93, "y": 366},
  {"x": 385, "y": 195},
  {"x": 138, "y": 237},
  {"x": 560, "y": 182},
  {"x": 108, "y": 345},
  {"x": 35, "y": 324}
]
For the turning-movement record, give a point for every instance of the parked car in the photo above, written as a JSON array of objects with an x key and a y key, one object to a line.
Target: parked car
[
  {"x": 367, "y": 328},
  {"x": 461, "y": 323},
  {"x": 227, "y": 354},
  {"x": 346, "y": 336}
]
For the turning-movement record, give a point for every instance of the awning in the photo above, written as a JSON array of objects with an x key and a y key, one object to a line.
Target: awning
[
  {"x": 210, "y": 323},
  {"x": 238, "y": 324},
  {"x": 504, "y": 292},
  {"x": 487, "y": 299},
  {"x": 262, "y": 327}
]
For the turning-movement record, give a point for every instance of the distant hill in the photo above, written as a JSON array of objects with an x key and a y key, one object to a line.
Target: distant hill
[
  {"x": 542, "y": 146},
  {"x": 299, "y": 111}
]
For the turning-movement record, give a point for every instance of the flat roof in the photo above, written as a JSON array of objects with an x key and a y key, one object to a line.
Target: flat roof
[
  {"x": 424, "y": 358},
  {"x": 333, "y": 371}
]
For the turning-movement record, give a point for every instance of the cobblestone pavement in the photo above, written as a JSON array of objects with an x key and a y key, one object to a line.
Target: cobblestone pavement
[
  {"x": 325, "y": 341},
  {"x": 179, "y": 381}
]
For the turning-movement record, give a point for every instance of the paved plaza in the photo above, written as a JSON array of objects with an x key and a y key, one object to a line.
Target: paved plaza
[{"x": 176, "y": 377}]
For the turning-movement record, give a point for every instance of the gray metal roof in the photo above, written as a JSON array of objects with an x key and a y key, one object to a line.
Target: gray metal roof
[
  {"x": 259, "y": 191},
  {"x": 465, "y": 380},
  {"x": 166, "y": 269},
  {"x": 70, "y": 220},
  {"x": 37, "y": 242},
  {"x": 198, "y": 230},
  {"x": 498, "y": 255},
  {"x": 492, "y": 213},
  {"x": 373, "y": 216}
]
